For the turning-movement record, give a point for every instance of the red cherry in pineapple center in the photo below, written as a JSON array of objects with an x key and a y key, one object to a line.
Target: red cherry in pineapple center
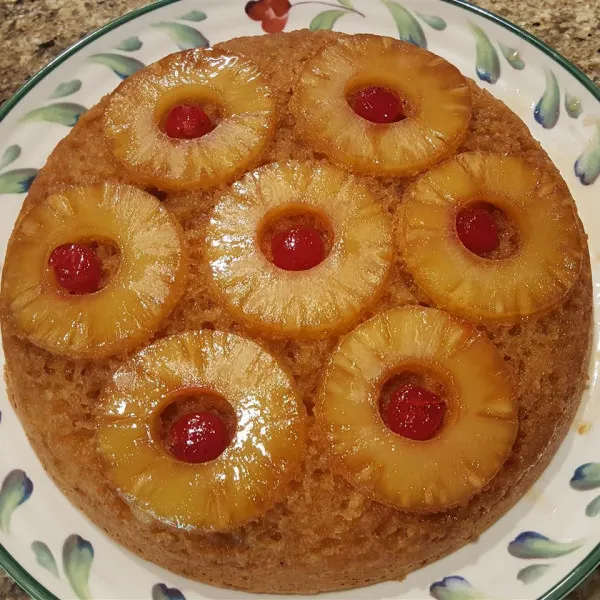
[
  {"x": 186, "y": 122},
  {"x": 197, "y": 437},
  {"x": 297, "y": 249},
  {"x": 477, "y": 230},
  {"x": 76, "y": 268},
  {"x": 415, "y": 412},
  {"x": 378, "y": 105}
]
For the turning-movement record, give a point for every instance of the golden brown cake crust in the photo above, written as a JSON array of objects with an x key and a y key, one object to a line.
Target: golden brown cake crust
[{"x": 324, "y": 535}]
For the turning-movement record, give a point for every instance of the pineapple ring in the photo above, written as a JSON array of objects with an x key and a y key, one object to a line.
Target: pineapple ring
[
  {"x": 308, "y": 303},
  {"x": 148, "y": 282},
  {"x": 437, "y": 105},
  {"x": 136, "y": 108},
  {"x": 249, "y": 476},
  {"x": 479, "y": 428},
  {"x": 536, "y": 278}
]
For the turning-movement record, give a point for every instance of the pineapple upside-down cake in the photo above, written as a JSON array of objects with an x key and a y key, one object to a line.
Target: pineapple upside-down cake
[{"x": 297, "y": 313}]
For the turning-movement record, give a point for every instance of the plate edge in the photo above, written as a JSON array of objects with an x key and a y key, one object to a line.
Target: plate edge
[{"x": 25, "y": 579}]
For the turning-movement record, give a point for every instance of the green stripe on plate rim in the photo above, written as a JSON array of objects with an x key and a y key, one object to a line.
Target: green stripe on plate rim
[{"x": 7, "y": 562}]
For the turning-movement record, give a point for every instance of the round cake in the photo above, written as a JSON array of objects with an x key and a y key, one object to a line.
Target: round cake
[{"x": 297, "y": 313}]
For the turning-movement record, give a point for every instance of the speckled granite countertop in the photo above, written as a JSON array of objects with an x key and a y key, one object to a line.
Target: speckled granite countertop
[{"x": 32, "y": 32}]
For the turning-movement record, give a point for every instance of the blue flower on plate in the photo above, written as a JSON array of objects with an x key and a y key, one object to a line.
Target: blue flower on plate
[
  {"x": 547, "y": 110},
  {"x": 16, "y": 489},
  {"x": 64, "y": 113},
  {"x": 160, "y": 591},
  {"x": 17, "y": 181},
  {"x": 455, "y": 588},
  {"x": 531, "y": 544},
  {"x": 77, "y": 558},
  {"x": 122, "y": 66},
  {"x": 487, "y": 62},
  {"x": 408, "y": 27},
  {"x": 586, "y": 477},
  {"x": 587, "y": 169}
]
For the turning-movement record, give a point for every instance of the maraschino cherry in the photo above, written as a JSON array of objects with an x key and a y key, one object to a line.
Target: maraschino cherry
[
  {"x": 378, "y": 105},
  {"x": 297, "y": 249},
  {"x": 197, "y": 437},
  {"x": 76, "y": 268},
  {"x": 477, "y": 230},
  {"x": 415, "y": 412},
  {"x": 273, "y": 14},
  {"x": 187, "y": 121}
]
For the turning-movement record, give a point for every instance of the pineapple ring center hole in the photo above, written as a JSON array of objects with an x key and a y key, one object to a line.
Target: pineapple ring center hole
[
  {"x": 508, "y": 238},
  {"x": 65, "y": 276},
  {"x": 189, "y": 96},
  {"x": 189, "y": 401},
  {"x": 419, "y": 424},
  {"x": 277, "y": 224},
  {"x": 379, "y": 104}
]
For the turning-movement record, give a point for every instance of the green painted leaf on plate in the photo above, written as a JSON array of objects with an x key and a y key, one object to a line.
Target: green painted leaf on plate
[
  {"x": 123, "y": 66},
  {"x": 433, "y": 21},
  {"x": 593, "y": 508},
  {"x": 409, "y": 29},
  {"x": 16, "y": 487},
  {"x": 512, "y": 56},
  {"x": 10, "y": 155},
  {"x": 531, "y": 544},
  {"x": 66, "y": 89},
  {"x": 455, "y": 587},
  {"x": 44, "y": 557},
  {"x": 194, "y": 15},
  {"x": 65, "y": 113},
  {"x": 184, "y": 36},
  {"x": 17, "y": 181},
  {"x": 77, "y": 556},
  {"x": 573, "y": 105},
  {"x": 487, "y": 62},
  {"x": 346, "y": 3},
  {"x": 547, "y": 110},
  {"x": 532, "y": 573},
  {"x": 130, "y": 44},
  {"x": 587, "y": 476},
  {"x": 326, "y": 20}
]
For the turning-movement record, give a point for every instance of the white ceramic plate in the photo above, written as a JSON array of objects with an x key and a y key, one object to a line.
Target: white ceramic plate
[{"x": 543, "y": 547}]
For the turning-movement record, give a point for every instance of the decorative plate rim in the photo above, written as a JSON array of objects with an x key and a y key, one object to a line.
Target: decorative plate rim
[
  {"x": 23, "y": 578},
  {"x": 26, "y": 580}
]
